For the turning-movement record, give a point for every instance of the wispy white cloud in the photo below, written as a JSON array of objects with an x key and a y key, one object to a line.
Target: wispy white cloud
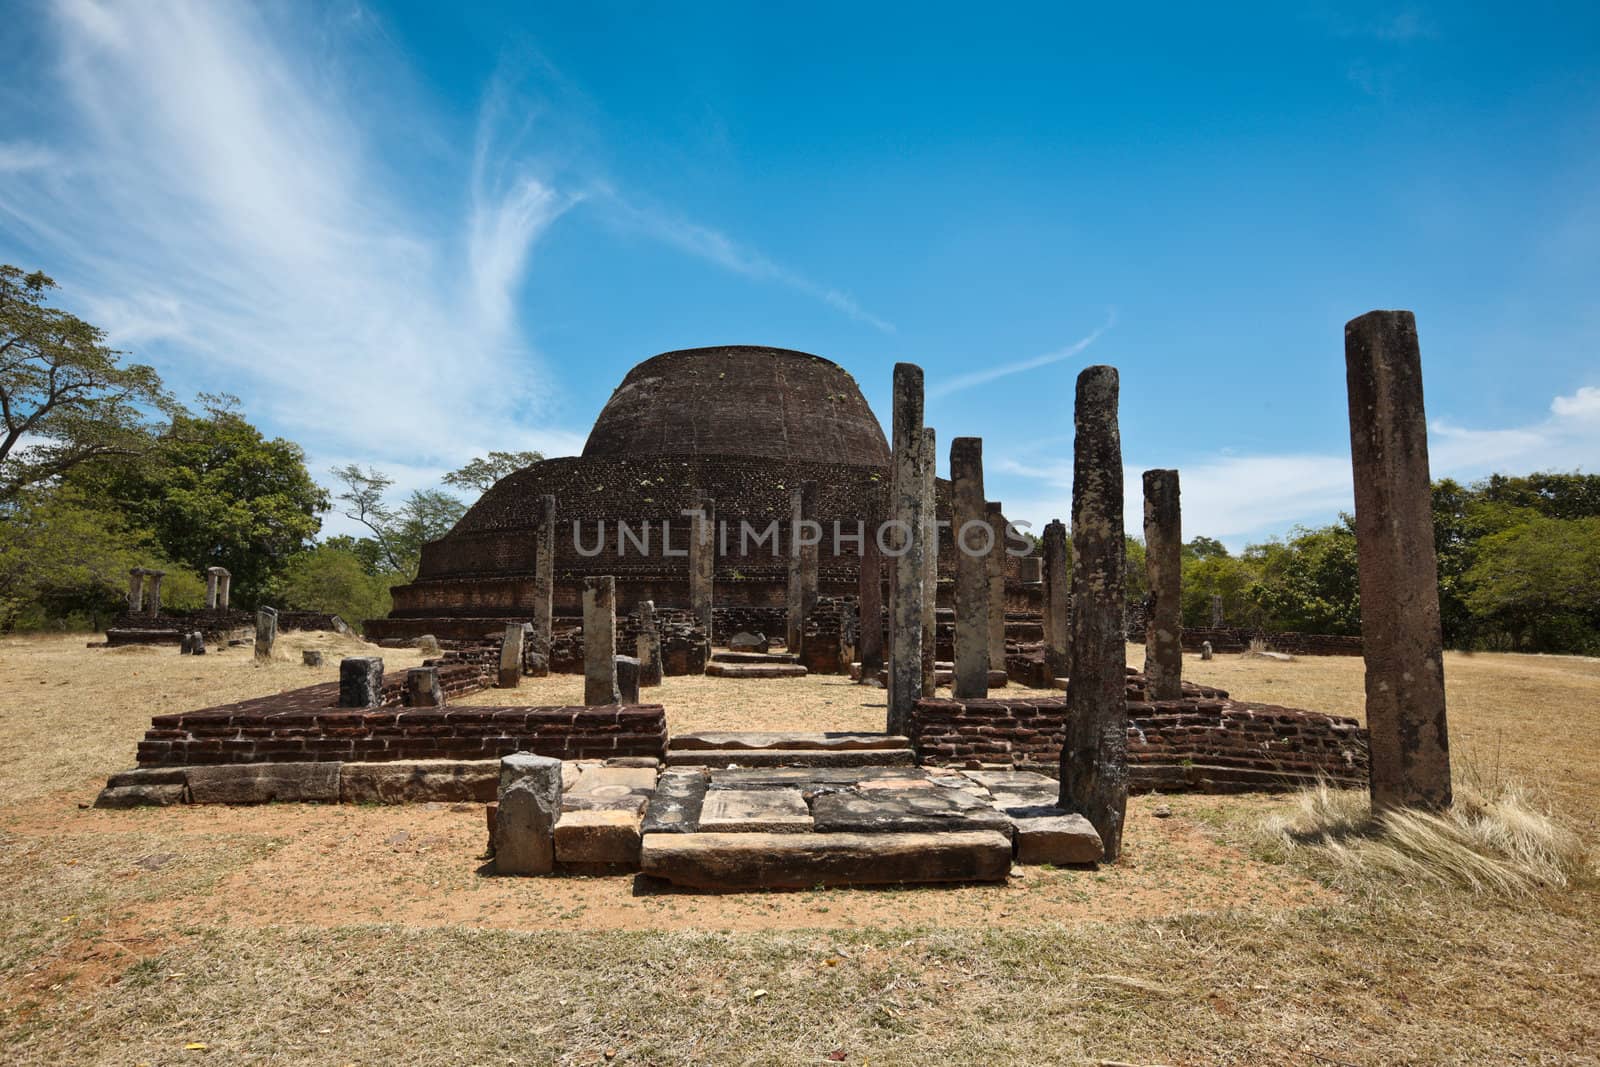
[
  {"x": 967, "y": 381},
  {"x": 1241, "y": 498},
  {"x": 18, "y": 156}
]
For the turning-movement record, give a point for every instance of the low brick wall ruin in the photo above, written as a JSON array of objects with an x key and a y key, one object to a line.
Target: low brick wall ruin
[
  {"x": 1203, "y": 743},
  {"x": 306, "y": 725},
  {"x": 1237, "y": 639}
]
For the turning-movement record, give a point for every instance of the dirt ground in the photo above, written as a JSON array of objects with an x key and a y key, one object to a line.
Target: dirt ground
[{"x": 306, "y": 934}]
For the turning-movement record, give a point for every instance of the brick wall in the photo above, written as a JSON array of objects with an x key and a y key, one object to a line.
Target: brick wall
[
  {"x": 1237, "y": 639},
  {"x": 306, "y": 725}
]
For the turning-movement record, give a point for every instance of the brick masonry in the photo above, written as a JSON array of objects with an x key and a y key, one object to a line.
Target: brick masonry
[{"x": 1204, "y": 742}]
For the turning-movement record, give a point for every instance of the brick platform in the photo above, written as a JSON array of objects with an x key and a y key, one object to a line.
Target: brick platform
[{"x": 305, "y": 725}]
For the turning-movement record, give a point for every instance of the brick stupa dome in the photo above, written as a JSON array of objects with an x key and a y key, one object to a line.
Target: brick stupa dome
[{"x": 740, "y": 400}]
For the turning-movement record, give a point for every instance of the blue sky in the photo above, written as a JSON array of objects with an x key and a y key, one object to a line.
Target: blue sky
[{"x": 407, "y": 234}]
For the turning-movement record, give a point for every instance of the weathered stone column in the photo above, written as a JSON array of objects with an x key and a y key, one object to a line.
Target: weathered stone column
[
  {"x": 155, "y": 591},
  {"x": 647, "y": 646},
  {"x": 360, "y": 681},
  {"x": 995, "y": 569},
  {"x": 266, "y": 631},
  {"x": 225, "y": 588},
  {"x": 973, "y": 539},
  {"x": 1094, "y": 759},
  {"x": 544, "y": 581},
  {"x": 135, "y": 590},
  {"x": 802, "y": 591},
  {"x": 1217, "y": 619},
  {"x": 1163, "y": 563},
  {"x": 600, "y": 641},
  {"x": 211, "y": 588},
  {"x": 930, "y": 562},
  {"x": 906, "y": 514},
  {"x": 1057, "y": 583},
  {"x": 525, "y": 817},
  {"x": 1401, "y": 637},
  {"x": 810, "y": 551},
  {"x": 423, "y": 689},
  {"x": 703, "y": 562},
  {"x": 511, "y": 656},
  {"x": 869, "y": 600}
]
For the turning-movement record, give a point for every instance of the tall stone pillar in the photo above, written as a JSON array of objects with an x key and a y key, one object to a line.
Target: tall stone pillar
[
  {"x": 135, "y": 590},
  {"x": 1057, "y": 583},
  {"x": 600, "y": 641},
  {"x": 907, "y": 519},
  {"x": 1217, "y": 618},
  {"x": 647, "y": 646},
  {"x": 1163, "y": 561},
  {"x": 266, "y": 632},
  {"x": 702, "y": 561},
  {"x": 544, "y": 581},
  {"x": 1402, "y": 640},
  {"x": 224, "y": 588},
  {"x": 211, "y": 588},
  {"x": 1094, "y": 759},
  {"x": 969, "y": 527},
  {"x": 995, "y": 569},
  {"x": 869, "y": 600},
  {"x": 803, "y": 562},
  {"x": 930, "y": 557},
  {"x": 511, "y": 656},
  {"x": 154, "y": 607}
]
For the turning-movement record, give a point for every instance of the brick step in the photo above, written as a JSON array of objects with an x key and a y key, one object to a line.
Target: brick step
[
  {"x": 754, "y": 657},
  {"x": 803, "y": 860},
  {"x": 755, "y": 670},
  {"x": 792, "y": 757},
  {"x": 747, "y": 740}
]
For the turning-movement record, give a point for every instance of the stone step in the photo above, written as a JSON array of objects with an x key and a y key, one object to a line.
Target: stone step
[
  {"x": 754, "y": 657},
  {"x": 803, "y": 860},
  {"x": 755, "y": 670},
  {"x": 753, "y": 739},
  {"x": 784, "y": 757}
]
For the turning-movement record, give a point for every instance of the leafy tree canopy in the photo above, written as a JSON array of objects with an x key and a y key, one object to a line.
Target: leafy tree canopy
[
  {"x": 484, "y": 471},
  {"x": 398, "y": 532}
]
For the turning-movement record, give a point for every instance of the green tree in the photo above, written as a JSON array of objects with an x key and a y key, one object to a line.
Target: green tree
[
  {"x": 61, "y": 558},
  {"x": 215, "y": 492},
  {"x": 1229, "y": 577},
  {"x": 334, "y": 579},
  {"x": 481, "y": 473},
  {"x": 400, "y": 532},
  {"x": 1539, "y": 583},
  {"x": 1310, "y": 583},
  {"x": 65, "y": 397}
]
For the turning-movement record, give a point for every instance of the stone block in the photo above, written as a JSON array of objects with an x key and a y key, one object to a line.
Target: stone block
[
  {"x": 754, "y": 811},
  {"x": 1053, "y": 835},
  {"x": 745, "y": 641},
  {"x": 526, "y": 813},
  {"x": 311, "y": 657},
  {"x": 155, "y": 787},
  {"x": 598, "y": 838},
  {"x": 360, "y": 681},
  {"x": 418, "y": 781},
  {"x": 262, "y": 783},
  {"x": 423, "y": 689},
  {"x": 628, "y": 672},
  {"x": 675, "y": 807},
  {"x": 906, "y": 811},
  {"x": 802, "y": 860}
]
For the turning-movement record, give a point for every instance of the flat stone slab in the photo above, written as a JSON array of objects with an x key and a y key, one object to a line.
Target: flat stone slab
[
  {"x": 905, "y": 811},
  {"x": 755, "y": 739},
  {"x": 736, "y": 656},
  {"x": 1052, "y": 835},
  {"x": 416, "y": 781},
  {"x": 675, "y": 807},
  {"x": 755, "y": 670},
  {"x": 734, "y": 861},
  {"x": 787, "y": 757},
  {"x": 799, "y": 777},
  {"x": 262, "y": 783},
  {"x": 598, "y": 839},
  {"x": 629, "y": 779},
  {"x": 754, "y": 811}
]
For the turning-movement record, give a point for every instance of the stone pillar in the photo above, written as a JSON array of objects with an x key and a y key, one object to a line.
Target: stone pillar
[
  {"x": 266, "y": 632},
  {"x": 135, "y": 590},
  {"x": 225, "y": 588},
  {"x": 197, "y": 641},
  {"x": 869, "y": 600},
  {"x": 1094, "y": 770},
  {"x": 794, "y": 597},
  {"x": 1057, "y": 583},
  {"x": 648, "y": 645},
  {"x": 930, "y": 559},
  {"x": 525, "y": 816},
  {"x": 1217, "y": 619},
  {"x": 544, "y": 581},
  {"x": 1163, "y": 562},
  {"x": 1402, "y": 641},
  {"x": 600, "y": 641},
  {"x": 969, "y": 527},
  {"x": 995, "y": 568},
  {"x": 809, "y": 555},
  {"x": 155, "y": 591},
  {"x": 360, "y": 681},
  {"x": 703, "y": 562},
  {"x": 907, "y": 595},
  {"x": 628, "y": 679},
  {"x": 511, "y": 656},
  {"x": 211, "y": 588},
  {"x": 423, "y": 689}
]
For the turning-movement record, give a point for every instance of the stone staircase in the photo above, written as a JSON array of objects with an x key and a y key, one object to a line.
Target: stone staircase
[{"x": 755, "y": 665}]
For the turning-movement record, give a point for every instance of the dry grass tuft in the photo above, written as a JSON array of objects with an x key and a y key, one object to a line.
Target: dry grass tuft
[{"x": 1496, "y": 841}]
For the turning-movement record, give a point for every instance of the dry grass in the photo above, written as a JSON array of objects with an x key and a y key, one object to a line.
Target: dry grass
[{"x": 304, "y": 934}]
